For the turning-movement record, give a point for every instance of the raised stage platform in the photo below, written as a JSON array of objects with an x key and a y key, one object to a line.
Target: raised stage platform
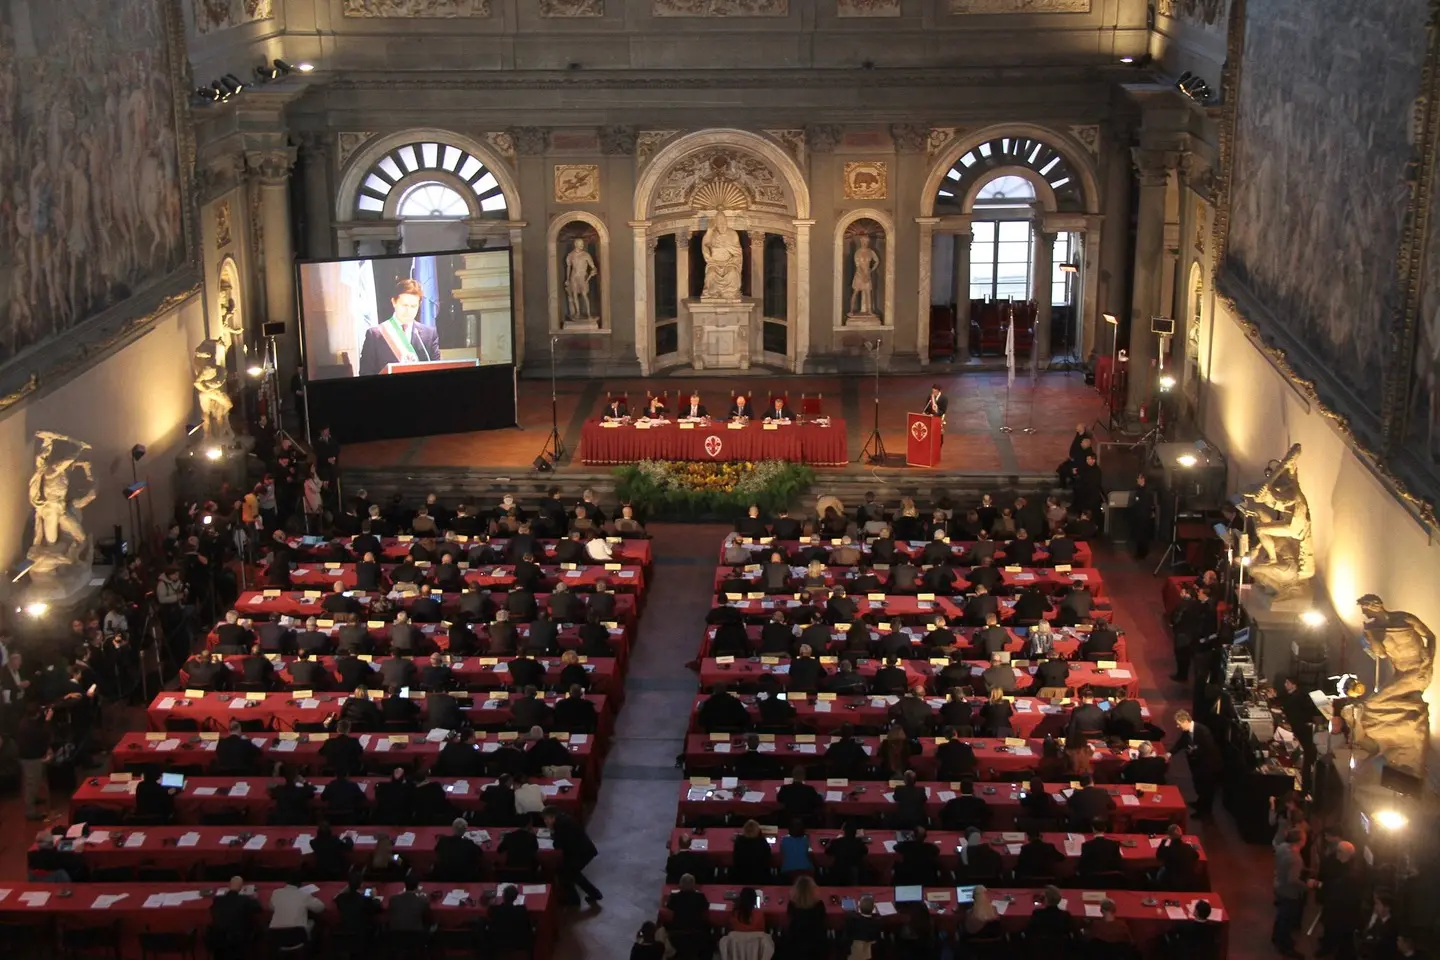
[{"x": 975, "y": 445}]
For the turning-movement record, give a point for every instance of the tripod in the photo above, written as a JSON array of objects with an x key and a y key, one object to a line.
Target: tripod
[
  {"x": 874, "y": 449},
  {"x": 270, "y": 390},
  {"x": 554, "y": 445},
  {"x": 1172, "y": 555}
]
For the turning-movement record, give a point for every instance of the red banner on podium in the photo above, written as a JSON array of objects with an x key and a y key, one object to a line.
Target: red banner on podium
[{"x": 924, "y": 435}]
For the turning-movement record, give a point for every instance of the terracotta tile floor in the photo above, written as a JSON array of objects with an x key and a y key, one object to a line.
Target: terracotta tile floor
[
  {"x": 637, "y": 801},
  {"x": 974, "y": 440}
]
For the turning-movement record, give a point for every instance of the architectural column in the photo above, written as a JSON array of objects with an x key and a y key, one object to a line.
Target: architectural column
[
  {"x": 644, "y": 332},
  {"x": 517, "y": 259},
  {"x": 1087, "y": 301},
  {"x": 792, "y": 286},
  {"x": 963, "y": 240},
  {"x": 800, "y": 319},
  {"x": 922, "y": 309},
  {"x": 318, "y": 214},
  {"x": 1042, "y": 289},
  {"x": 757, "y": 293},
  {"x": 1152, "y": 167},
  {"x": 684, "y": 327},
  {"x": 271, "y": 171}
]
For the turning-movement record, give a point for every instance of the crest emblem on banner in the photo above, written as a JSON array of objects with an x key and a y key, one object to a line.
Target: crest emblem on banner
[
  {"x": 713, "y": 445},
  {"x": 919, "y": 431}
]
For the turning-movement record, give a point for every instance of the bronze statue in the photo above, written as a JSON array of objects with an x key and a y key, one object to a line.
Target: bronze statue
[
  {"x": 1396, "y": 719},
  {"x": 1282, "y": 532}
]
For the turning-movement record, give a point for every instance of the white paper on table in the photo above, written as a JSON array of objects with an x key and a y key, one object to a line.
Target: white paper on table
[
  {"x": 549, "y": 790},
  {"x": 946, "y": 796},
  {"x": 155, "y": 900},
  {"x": 720, "y": 905},
  {"x": 698, "y": 844},
  {"x": 889, "y": 846},
  {"x": 365, "y": 741},
  {"x": 1022, "y": 751},
  {"x": 437, "y": 735},
  {"x": 885, "y": 909},
  {"x": 286, "y": 746},
  {"x": 310, "y": 888},
  {"x": 889, "y": 798},
  {"x": 695, "y": 794},
  {"x": 1001, "y": 906},
  {"x": 454, "y": 898},
  {"x": 722, "y": 748},
  {"x": 460, "y": 786},
  {"x": 188, "y": 840},
  {"x": 1013, "y": 849},
  {"x": 107, "y": 900},
  {"x": 309, "y": 703},
  {"x": 805, "y": 748},
  {"x": 1156, "y": 841},
  {"x": 822, "y": 706},
  {"x": 834, "y": 796},
  {"x": 1176, "y": 913},
  {"x": 405, "y": 840},
  {"x": 1092, "y": 910},
  {"x": 729, "y": 783},
  {"x": 533, "y": 889},
  {"x": 1118, "y": 674},
  {"x": 227, "y": 841},
  {"x": 96, "y": 836},
  {"x": 239, "y": 704},
  {"x": 1023, "y": 706},
  {"x": 1130, "y": 800},
  {"x": 1064, "y": 904},
  {"x": 167, "y": 704},
  {"x": 135, "y": 840},
  {"x": 204, "y": 792},
  {"x": 489, "y": 747},
  {"x": 302, "y": 843},
  {"x": 579, "y": 739},
  {"x": 4, "y": 894},
  {"x": 1072, "y": 847},
  {"x": 241, "y": 789},
  {"x": 752, "y": 796},
  {"x": 546, "y": 843},
  {"x": 383, "y": 746},
  {"x": 256, "y": 842},
  {"x": 168, "y": 745}
]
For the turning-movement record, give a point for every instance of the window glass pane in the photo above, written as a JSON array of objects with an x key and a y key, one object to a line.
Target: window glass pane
[
  {"x": 1006, "y": 188},
  {"x": 1015, "y": 230},
  {"x": 1014, "y": 291},
  {"x": 980, "y": 291},
  {"x": 1014, "y": 253},
  {"x": 981, "y": 272},
  {"x": 983, "y": 230},
  {"x": 1012, "y": 273}
]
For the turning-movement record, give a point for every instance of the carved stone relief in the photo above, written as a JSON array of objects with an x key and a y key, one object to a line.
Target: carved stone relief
[
  {"x": 866, "y": 180},
  {"x": 224, "y": 232},
  {"x": 218, "y": 176},
  {"x": 909, "y": 137},
  {"x": 648, "y": 143},
  {"x": 502, "y": 143},
  {"x": 720, "y": 8},
  {"x": 617, "y": 141},
  {"x": 577, "y": 183},
  {"x": 349, "y": 143},
  {"x": 257, "y": 228},
  {"x": 793, "y": 141},
  {"x": 213, "y": 15},
  {"x": 530, "y": 141},
  {"x": 440, "y": 9},
  {"x": 572, "y": 8},
  {"x": 1088, "y": 136},
  {"x": 725, "y": 170},
  {"x": 868, "y": 8},
  {"x": 1205, "y": 13},
  {"x": 1019, "y": 6},
  {"x": 823, "y": 137},
  {"x": 938, "y": 138}
]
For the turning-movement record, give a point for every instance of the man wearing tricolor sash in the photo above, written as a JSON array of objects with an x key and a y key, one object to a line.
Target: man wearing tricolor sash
[{"x": 399, "y": 339}]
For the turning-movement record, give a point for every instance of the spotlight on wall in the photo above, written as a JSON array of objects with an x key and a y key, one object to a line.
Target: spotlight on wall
[
  {"x": 1187, "y": 460},
  {"x": 214, "y": 453},
  {"x": 265, "y": 73},
  {"x": 36, "y": 610},
  {"x": 1167, "y": 383},
  {"x": 209, "y": 94},
  {"x": 231, "y": 84},
  {"x": 1069, "y": 267},
  {"x": 255, "y": 370},
  {"x": 1314, "y": 619},
  {"x": 1392, "y": 820},
  {"x": 1194, "y": 87},
  {"x": 305, "y": 67},
  {"x": 281, "y": 68}
]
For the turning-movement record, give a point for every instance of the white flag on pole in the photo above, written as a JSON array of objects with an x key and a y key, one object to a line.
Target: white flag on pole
[
  {"x": 1010, "y": 353},
  {"x": 1034, "y": 353}
]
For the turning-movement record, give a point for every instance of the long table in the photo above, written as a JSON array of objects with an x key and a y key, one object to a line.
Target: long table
[
  {"x": 207, "y": 795},
  {"x": 1137, "y": 850},
  {"x": 136, "y": 907},
  {"x": 1044, "y": 578},
  {"x": 471, "y": 673},
  {"x": 437, "y": 635},
  {"x": 1147, "y": 915},
  {"x": 1066, "y": 643},
  {"x": 1121, "y": 678},
  {"x": 623, "y": 580},
  {"x": 715, "y": 441},
  {"x": 626, "y": 551},
  {"x": 275, "y": 847},
  {"x": 303, "y": 603},
  {"x": 1033, "y": 716},
  {"x": 995, "y": 758},
  {"x": 701, "y": 798},
  {"x": 910, "y": 548},
  {"x": 907, "y": 608},
  {"x": 302, "y": 751},
  {"x": 282, "y": 711}
]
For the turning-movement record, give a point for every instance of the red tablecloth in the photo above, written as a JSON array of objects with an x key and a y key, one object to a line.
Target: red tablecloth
[
  {"x": 627, "y": 551},
  {"x": 706, "y": 752},
  {"x": 1147, "y": 923},
  {"x": 909, "y": 608},
  {"x": 302, "y": 751},
  {"x": 202, "y": 795},
  {"x": 1033, "y": 717},
  {"x": 1046, "y": 579},
  {"x": 1066, "y": 643},
  {"x": 471, "y": 673},
  {"x": 439, "y": 636},
  {"x": 1137, "y": 850},
  {"x": 799, "y": 443},
  {"x": 489, "y": 577},
  {"x": 128, "y": 911},
  {"x": 281, "y": 711},
  {"x": 1122, "y": 679},
  {"x": 869, "y": 799},
  {"x": 284, "y": 848},
  {"x": 295, "y": 603},
  {"x": 958, "y": 548}
]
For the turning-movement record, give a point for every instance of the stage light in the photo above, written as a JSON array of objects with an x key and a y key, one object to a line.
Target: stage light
[
  {"x": 281, "y": 67},
  {"x": 36, "y": 609},
  {"x": 1246, "y": 561},
  {"x": 1127, "y": 59},
  {"x": 255, "y": 371},
  {"x": 1111, "y": 319},
  {"x": 1167, "y": 383},
  {"x": 231, "y": 84},
  {"x": 207, "y": 519},
  {"x": 265, "y": 73},
  {"x": 1314, "y": 619},
  {"x": 137, "y": 452},
  {"x": 1187, "y": 460},
  {"x": 213, "y": 453},
  {"x": 1391, "y": 819},
  {"x": 304, "y": 67},
  {"x": 1068, "y": 267}
]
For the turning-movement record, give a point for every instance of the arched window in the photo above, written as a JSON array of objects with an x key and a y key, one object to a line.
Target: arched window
[
  {"x": 1006, "y": 191},
  {"x": 982, "y": 163},
  {"x": 405, "y": 167},
  {"x": 432, "y": 200}
]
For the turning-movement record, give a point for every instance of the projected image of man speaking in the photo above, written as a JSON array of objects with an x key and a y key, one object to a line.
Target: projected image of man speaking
[{"x": 399, "y": 339}]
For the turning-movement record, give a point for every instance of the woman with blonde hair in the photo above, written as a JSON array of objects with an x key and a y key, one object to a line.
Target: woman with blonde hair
[
  {"x": 1078, "y": 757},
  {"x": 983, "y": 920},
  {"x": 805, "y": 936}
]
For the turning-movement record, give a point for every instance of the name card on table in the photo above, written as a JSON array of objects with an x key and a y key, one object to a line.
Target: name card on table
[
  {"x": 311, "y": 594},
  {"x": 302, "y": 694},
  {"x": 641, "y": 425},
  {"x": 194, "y": 694},
  {"x": 724, "y": 659},
  {"x": 1063, "y": 568},
  {"x": 686, "y": 426},
  {"x": 755, "y": 596},
  {"x": 270, "y": 594},
  {"x": 404, "y": 538},
  {"x": 610, "y": 424},
  {"x": 770, "y": 426},
  {"x": 374, "y": 624},
  {"x": 569, "y": 566},
  {"x": 1105, "y": 664},
  {"x": 324, "y": 624},
  {"x": 925, "y": 597},
  {"x": 154, "y": 737},
  {"x": 612, "y": 566},
  {"x": 1014, "y": 569},
  {"x": 732, "y": 425},
  {"x": 332, "y": 566}
]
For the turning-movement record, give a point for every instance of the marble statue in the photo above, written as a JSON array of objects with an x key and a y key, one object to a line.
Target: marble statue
[
  {"x": 721, "y": 249},
  {"x": 61, "y": 550},
  {"x": 579, "y": 271},
  {"x": 862, "y": 287},
  {"x": 1396, "y": 719},
  {"x": 1282, "y": 532},
  {"x": 210, "y": 387}
]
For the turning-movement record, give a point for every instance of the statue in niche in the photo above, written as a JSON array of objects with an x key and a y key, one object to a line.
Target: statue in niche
[
  {"x": 1283, "y": 560},
  {"x": 211, "y": 388},
  {"x": 61, "y": 544},
  {"x": 1396, "y": 719},
  {"x": 231, "y": 332},
  {"x": 862, "y": 285},
  {"x": 580, "y": 270},
  {"x": 723, "y": 258}
]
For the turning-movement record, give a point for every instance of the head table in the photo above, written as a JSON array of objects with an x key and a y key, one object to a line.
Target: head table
[{"x": 819, "y": 443}]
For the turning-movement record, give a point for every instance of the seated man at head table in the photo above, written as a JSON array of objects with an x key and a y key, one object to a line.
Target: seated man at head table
[
  {"x": 778, "y": 411},
  {"x": 740, "y": 408},
  {"x": 693, "y": 409},
  {"x": 616, "y": 409}
]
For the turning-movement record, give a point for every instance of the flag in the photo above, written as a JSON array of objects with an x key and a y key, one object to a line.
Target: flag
[
  {"x": 1010, "y": 353},
  {"x": 1034, "y": 354}
]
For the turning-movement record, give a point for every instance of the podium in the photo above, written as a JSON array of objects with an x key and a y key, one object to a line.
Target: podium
[
  {"x": 424, "y": 366},
  {"x": 924, "y": 435}
]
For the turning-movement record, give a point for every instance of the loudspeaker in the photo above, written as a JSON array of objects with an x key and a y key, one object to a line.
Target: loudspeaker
[
  {"x": 1165, "y": 326},
  {"x": 275, "y": 328}
]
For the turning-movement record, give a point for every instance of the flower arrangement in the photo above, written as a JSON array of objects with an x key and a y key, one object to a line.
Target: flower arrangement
[{"x": 676, "y": 490}]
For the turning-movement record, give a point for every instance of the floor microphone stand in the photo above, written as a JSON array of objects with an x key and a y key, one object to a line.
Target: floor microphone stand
[
  {"x": 554, "y": 445},
  {"x": 874, "y": 449}
]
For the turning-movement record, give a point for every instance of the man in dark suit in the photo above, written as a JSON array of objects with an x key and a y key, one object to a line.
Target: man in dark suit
[
  {"x": 882, "y": 547},
  {"x": 616, "y": 409},
  {"x": 1100, "y": 854},
  {"x": 914, "y": 713},
  {"x": 1030, "y": 607},
  {"x": 356, "y": 912},
  {"x": 342, "y": 752},
  {"x": 308, "y": 674},
  {"x": 367, "y": 574},
  {"x": 399, "y": 339},
  {"x": 1061, "y": 549},
  {"x": 436, "y": 675},
  {"x": 425, "y": 608},
  {"x": 257, "y": 671},
  {"x": 1020, "y": 552},
  {"x": 1206, "y": 762},
  {"x": 574, "y": 713},
  {"x": 529, "y": 709},
  {"x": 1038, "y": 858},
  {"x": 1089, "y": 805},
  {"x": 405, "y": 639},
  {"x": 904, "y": 577},
  {"x": 982, "y": 605},
  {"x": 457, "y": 857},
  {"x": 398, "y": 671},
  {"x": 1146, "y": 768},
  {"x": 409, "y": 911},
  {"x": 1125, "y": 720},
  {"x": 985, "y": 575},
  {"x": 740, "y": 408},
  {"x": 890, "y": 678},
  {"x": 991, "y": 638},
  {"x": 1087, "y": 720},
  {"x": 565, "y": 607},
  {"x": 353, "y": 637},
  {"x": 1100, "y": 643},
  {"x": 1053, "y": 672},
  {"x": 1000, "y": 675},
  {"x": 311, "y": 640},
  {"x": 693, "y": 409},
  {"x": 352, "y": 671},
  {"x": 722, "y": 709},
  {"x": 338, "y": 602},
  {"x": 236, "y": 754},
  {"x": 362, "y": 712},
  {"x": 275, "y": 637},
  {"x": 205, "y": 672},
  {"x": 937, "y": 403},
  {"x": 1076, "y": 605},
  {"x": 234, "y": 634},
  {"x": 1178, "y": 860},
  {"x": 779, "y": 410},
  {"x": 799, "y": 799},
  {"x": 1050, "y": 921},
  {"x": 684, "y": 860},
  {"x": 233, "y": 917},
  {"x": 521, "y": 605}
]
